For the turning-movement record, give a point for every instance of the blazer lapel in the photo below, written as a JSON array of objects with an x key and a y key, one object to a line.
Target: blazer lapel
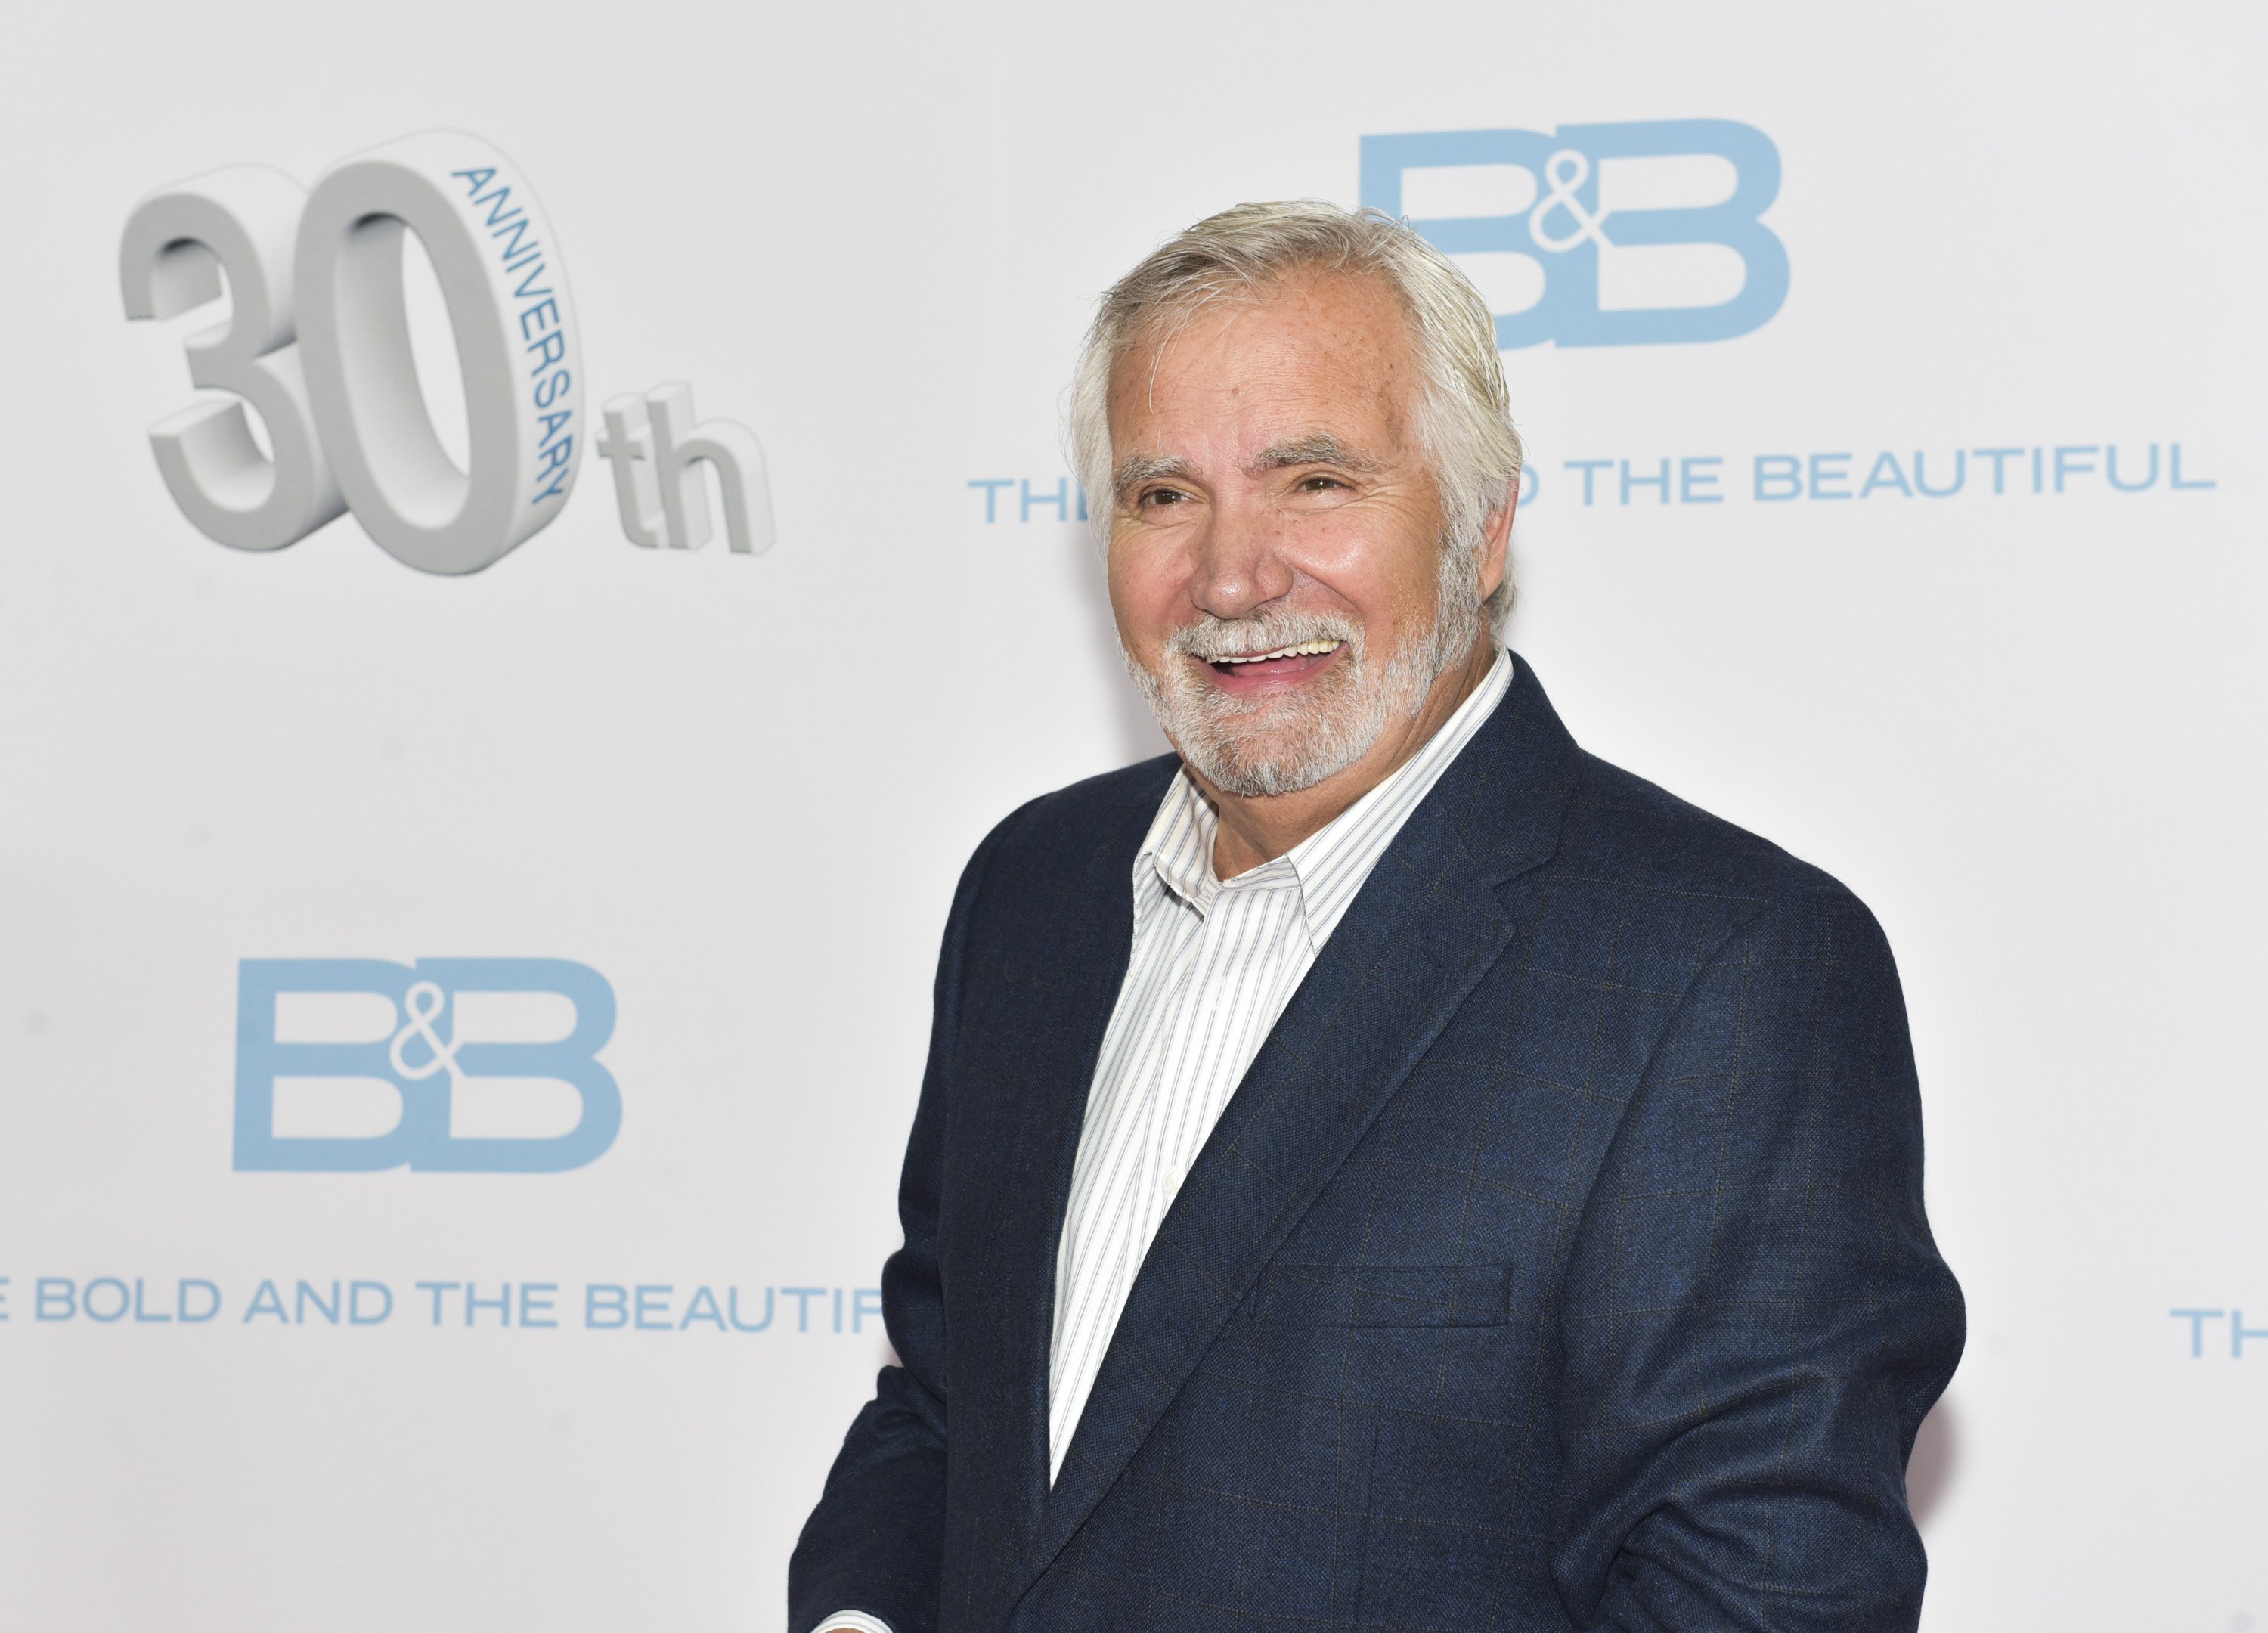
[
  {"x": 1427, "y": 926},
  {"x": 1017, "y": 1137}
]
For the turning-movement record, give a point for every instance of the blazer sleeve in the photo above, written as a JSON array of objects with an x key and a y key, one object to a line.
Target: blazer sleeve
[
  {"x": 873, "y": 1544},
  {"x": 1756, "y": 1318}
]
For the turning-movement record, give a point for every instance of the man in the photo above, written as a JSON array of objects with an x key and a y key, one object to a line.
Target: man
[{"x": 1380, "y": 1167}]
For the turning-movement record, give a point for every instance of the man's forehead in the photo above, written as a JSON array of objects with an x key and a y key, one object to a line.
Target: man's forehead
[{"x": 1313, "y": 371}]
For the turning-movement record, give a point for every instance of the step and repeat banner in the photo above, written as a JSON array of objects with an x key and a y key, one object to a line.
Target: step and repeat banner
[{"x": 538, "y": 538}]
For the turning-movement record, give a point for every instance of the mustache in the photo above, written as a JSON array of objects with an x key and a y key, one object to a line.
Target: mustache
[{"x": 1212, "y": 639}]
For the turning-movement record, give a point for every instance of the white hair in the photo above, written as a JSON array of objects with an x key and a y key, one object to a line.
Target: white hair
[{"x": 1463, "y": 413}]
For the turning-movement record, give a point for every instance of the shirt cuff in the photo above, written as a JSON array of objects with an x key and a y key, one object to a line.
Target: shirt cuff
[{"x": 857, "y": 1620}]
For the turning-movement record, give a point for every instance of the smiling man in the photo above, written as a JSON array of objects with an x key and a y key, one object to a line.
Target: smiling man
[{"x": 1380, "y": 1166}]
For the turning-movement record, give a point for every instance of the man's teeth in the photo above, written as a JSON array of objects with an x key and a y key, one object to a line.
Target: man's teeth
[{"x": 1305, "y": 649}]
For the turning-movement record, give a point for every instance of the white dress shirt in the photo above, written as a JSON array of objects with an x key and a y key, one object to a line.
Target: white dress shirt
[{"x": 1214, "y": 963}]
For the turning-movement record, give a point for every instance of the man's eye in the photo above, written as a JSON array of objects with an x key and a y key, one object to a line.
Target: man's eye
[
  {"x": 1319, "y": 484},
  {"x": 1162, "y": 495}
]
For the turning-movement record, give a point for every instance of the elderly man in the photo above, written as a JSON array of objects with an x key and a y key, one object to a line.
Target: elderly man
[{"x": 1380, "y": 1166}]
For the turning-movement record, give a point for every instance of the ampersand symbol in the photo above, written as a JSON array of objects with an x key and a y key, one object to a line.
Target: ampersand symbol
[
  {"x": 422, "y": 1004},
  {"x": 1564, "y": 172}
]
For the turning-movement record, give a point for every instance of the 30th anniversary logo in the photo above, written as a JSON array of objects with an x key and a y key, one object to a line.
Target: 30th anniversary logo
[{"x": 317, "y": 344}]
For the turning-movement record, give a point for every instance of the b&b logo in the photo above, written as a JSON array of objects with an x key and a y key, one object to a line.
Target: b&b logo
[
  {"x": 423, "y": 1058},
  {"x": 1585, "y": 251}
]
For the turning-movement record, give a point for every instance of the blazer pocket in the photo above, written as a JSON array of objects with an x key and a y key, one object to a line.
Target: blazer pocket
[{"x": 1421, "y": 1295}]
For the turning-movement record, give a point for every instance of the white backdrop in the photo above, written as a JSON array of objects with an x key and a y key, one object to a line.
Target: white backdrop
[{"x": 2027, "y": 727}]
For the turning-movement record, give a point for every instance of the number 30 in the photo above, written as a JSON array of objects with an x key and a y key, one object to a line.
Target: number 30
[{"x": 317, "y": 343}]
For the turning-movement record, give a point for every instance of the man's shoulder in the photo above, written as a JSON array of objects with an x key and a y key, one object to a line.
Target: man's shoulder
[
  {"x": 1100, "y": 819},
  {"x": 1621, "y": 846},
  {"x": 1088, "y": 809},
  {"x": 1648, "y": 846}
]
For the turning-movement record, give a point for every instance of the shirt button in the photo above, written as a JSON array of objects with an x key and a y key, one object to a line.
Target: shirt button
[{"x": 1170, "y": 1180}]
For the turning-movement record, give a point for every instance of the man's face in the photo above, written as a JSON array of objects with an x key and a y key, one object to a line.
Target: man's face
[{"x": 1277, "y": 565}]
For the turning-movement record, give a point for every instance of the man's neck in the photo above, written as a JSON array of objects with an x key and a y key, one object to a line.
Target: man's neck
[{"x": 1258, "y": 830}]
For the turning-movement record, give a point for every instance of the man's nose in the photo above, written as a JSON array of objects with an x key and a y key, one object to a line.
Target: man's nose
[{"x": 1239, "y": 568}]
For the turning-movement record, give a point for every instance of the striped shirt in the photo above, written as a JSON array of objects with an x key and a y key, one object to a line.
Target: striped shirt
[{"x": 1213, "y": 964}]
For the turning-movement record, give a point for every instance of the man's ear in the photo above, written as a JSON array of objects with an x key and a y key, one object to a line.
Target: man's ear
[{"x": 1496, "y": 545}]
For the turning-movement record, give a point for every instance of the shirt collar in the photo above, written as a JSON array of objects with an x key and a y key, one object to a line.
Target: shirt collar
[{"x": 1328, "y": 867}]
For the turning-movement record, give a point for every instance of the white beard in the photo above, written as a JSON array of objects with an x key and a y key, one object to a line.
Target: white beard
[{"x": 1257, "y": 748}]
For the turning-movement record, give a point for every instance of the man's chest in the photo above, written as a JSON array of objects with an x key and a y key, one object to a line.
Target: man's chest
[{"x": 1482, "y": 1155}]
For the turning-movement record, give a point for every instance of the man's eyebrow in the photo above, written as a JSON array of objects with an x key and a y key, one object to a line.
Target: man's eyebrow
[
  {"x": 1146, "y": 467},
  {"x": 1318, "y": 448}
]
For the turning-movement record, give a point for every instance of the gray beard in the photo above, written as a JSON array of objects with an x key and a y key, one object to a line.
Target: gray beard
[{"x": 1253, "y": 749}]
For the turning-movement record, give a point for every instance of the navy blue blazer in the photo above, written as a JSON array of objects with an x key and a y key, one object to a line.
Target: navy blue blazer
[{"x": 1560, "y": 1263}]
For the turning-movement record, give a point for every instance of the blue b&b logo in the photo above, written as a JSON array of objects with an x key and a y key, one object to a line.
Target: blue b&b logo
[
  {"x": 423, "y": 1058},
  {"x": 1587, "y": 262}
]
